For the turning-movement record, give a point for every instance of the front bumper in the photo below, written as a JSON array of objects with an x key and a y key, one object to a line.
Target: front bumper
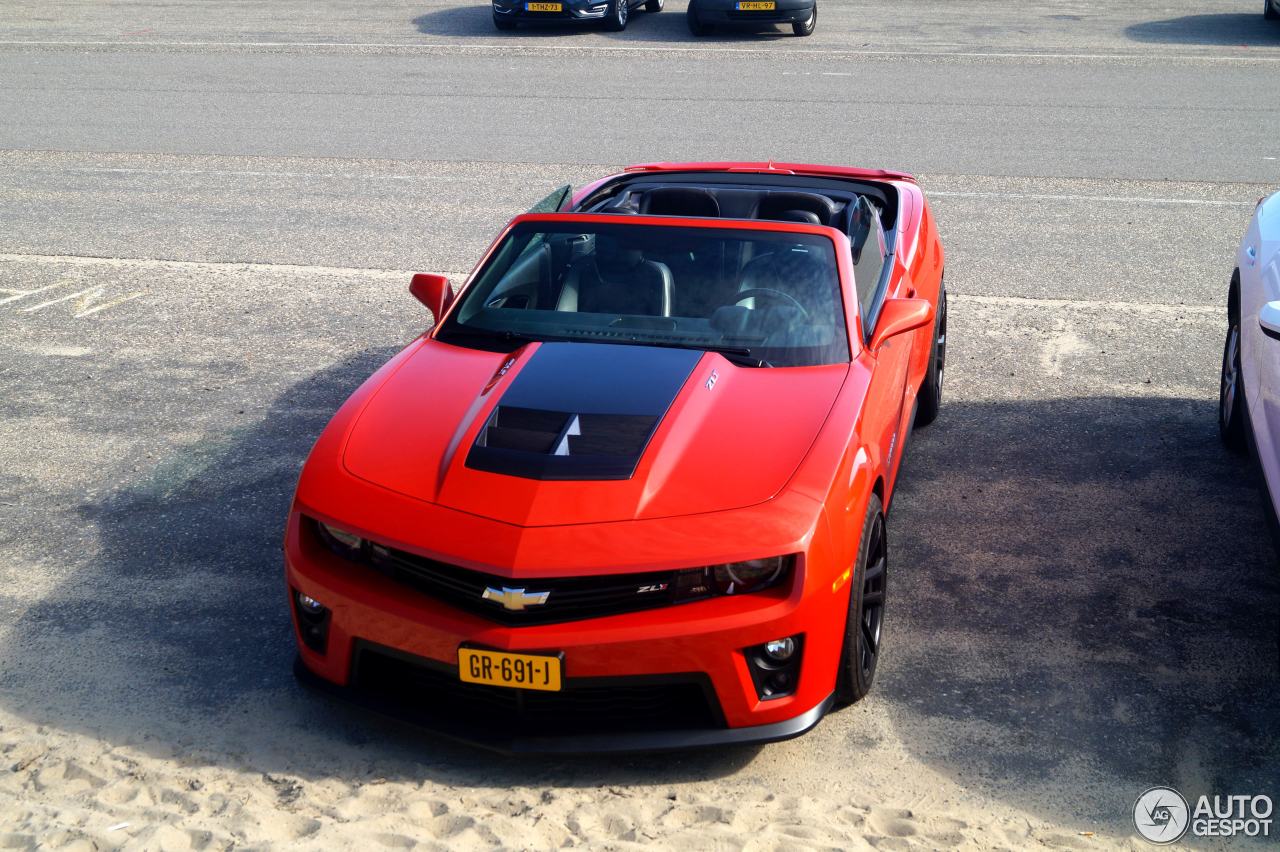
[
  {"x": 704, "y": 641},
  {"x": 494, "y": 738},
  {"x": 571, "y": 10},
  {"x": 726, "y": 12}
]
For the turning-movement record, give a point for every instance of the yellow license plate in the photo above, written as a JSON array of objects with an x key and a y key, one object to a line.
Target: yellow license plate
[
  {"x": 757, "y": 6},
  {"x": 518, "y": 671},
  {"x": 542, "y": 7}
]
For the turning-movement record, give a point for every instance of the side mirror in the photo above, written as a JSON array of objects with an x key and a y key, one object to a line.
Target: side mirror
[
  {"x": 1269, "y": 319},
  {"x": 434, "y": 292},
  {"x": 898, "y": 316}
]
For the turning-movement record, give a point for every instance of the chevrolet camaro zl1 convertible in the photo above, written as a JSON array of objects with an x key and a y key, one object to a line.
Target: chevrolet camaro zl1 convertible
[{"x": 629, "y": 492}]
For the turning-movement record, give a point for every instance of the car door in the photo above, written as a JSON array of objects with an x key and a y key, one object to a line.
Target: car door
[{"x": 1259, "y": 265}]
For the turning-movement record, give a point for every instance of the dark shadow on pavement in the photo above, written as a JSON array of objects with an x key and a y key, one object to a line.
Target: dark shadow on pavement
[
  {"x": 1240, "y": 29},
  {"x": 1086, "y": 591}
]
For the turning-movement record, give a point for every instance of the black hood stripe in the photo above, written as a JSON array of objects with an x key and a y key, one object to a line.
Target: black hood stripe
[{"x": 582, "y": 411}]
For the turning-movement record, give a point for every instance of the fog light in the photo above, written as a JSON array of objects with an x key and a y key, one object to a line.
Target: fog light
[
  {"x": 313, "y": 621},
  {"x": 775, "y": 666},
  {"x": 780, "y": 649},
  {"x": 313, "y": 606}
]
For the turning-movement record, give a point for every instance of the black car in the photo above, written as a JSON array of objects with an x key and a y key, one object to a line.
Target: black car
[
  {"x": 704, "y": 15},
  {"x": 614, "y": 13}
]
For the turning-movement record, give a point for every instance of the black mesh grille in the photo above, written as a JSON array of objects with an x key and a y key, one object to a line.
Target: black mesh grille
[
  {"x": 585, "y": 705},
  {"x": 569, "y": 598}
]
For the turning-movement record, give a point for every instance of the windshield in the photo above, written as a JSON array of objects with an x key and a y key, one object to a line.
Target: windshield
[{"x": 759, "y": 298}]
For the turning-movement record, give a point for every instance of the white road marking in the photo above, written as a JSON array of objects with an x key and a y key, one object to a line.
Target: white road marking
[
  {"x": 1086, "y": 304},
  {"x": 587, "y": 48},
  {"x": 238, "y": 173},
  {"x": 1107, "y": 199},
  {"x": 404, "y": 275}
]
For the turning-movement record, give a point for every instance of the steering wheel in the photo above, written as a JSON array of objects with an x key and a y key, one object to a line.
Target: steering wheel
[{"x": 769, "y": 292}]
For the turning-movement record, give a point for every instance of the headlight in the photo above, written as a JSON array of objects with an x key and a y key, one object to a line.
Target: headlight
[
  {"x": 733, "y": 578},
  {"x": 340, "y": 541}
]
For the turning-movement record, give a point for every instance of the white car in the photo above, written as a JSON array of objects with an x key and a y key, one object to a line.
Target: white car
[{"x": 1249, "y": 402}]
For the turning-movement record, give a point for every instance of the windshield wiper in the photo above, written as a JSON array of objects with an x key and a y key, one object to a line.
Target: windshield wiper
[{"x": 740, "y": 355}]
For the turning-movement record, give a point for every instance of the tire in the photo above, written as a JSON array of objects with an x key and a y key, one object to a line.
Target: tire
[
  {"x": 929, "y": 400},
  {"x": 654, "y": 6},
  {"x": 619, "y": 14},
  {"x": 806, "y": 28},
  {"x": 864, "y": 623},
  {"x": 503, "y": 24},
  {"x": 696, "y": 26},
  {"x": 1270, "y": 12},
  {"x": 1231, "y": 404}
]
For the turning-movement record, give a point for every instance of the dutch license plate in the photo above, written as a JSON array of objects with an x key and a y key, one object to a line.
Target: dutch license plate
[
  {"x": 542, "y": 7},
  {"x": 518, "y": 671},
  {"x": 756, "y": 6}
]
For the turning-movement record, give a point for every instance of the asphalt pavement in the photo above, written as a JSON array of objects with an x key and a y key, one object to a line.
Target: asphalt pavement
[{"x": 209, "y": 212}]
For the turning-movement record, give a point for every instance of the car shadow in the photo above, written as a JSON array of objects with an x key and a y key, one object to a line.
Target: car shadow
[
  {"x": 645, "y": 29},
  {"x": 1086, "y": 595},
  {"x": 1232, "y": 28}
]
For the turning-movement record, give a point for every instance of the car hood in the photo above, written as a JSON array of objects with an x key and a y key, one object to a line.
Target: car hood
[{"x": 579, "y": 433}]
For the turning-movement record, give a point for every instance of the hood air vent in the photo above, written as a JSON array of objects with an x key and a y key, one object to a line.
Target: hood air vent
[{"x": 600, "y": 406}]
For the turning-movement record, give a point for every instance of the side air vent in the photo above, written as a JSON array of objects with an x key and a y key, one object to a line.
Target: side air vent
[{"x": 581, "y": 411}]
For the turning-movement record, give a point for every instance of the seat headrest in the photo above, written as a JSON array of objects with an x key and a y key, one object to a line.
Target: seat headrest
[
  {"x": 680, "y": 201},
  {"x": 805, "y": 216},
  {"x": 775, "y": 204}
]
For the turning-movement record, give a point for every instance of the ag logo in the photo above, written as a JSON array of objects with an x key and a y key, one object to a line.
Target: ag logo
[{"x": 1161, "y": 815}]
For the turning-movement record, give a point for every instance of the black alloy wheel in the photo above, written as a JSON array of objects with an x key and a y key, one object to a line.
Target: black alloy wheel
[
  {"x": 929, "y": 401},
  {"x": 1231, "y": 390},
  {"x": 619, "y": 13},
  {"x": 865, "y": 623},
  {"x": 696, "y": 26},
  {"x": 806, "y": 28}
]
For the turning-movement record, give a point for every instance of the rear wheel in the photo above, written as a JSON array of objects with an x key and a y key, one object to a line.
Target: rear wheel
[
  {"x": 1231, "y": 389},
  {"x": 806, "y": 28},
  {"x": 1269, "y": 11},
  {"x": 654, "y": 6},
  {"x": 865, "y": 621},
  {"x": 618, "y": 15},
  {"x": 930, "y": 399},
  {"x": 696, "y": 26},
  {"x": 503, "y": 24}
]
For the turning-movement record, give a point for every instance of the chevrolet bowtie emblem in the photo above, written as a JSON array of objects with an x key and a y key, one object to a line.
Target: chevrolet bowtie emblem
[{"x": 515, "y": 599}]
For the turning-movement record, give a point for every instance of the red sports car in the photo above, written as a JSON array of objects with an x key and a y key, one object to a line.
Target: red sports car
[{"x": 629, "y": 491}]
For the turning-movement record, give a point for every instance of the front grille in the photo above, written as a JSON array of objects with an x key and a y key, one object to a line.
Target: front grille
[
  {"x": 569, "y": 598},
  {"x": 433, "y": 691}
]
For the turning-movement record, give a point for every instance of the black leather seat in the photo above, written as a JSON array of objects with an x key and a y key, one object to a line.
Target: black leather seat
[
  {"x": 617, "y": 279},
  {"x": 680, "y": 201},
  {"x": 775, "y": 204}
]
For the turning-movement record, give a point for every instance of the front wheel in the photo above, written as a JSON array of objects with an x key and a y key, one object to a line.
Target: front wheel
[
  {"x": 619, "y": 13},
  {"x": 806, "y": 28},
  {"x": 696, "y": 26},
  {"x": 929, "y": 401},
  {"x": 1270, "y": 12},
  {"x": 865, "y": 621},
  {"x": 1231, "y": 392},
  {"x": 654, "y": 6}
]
